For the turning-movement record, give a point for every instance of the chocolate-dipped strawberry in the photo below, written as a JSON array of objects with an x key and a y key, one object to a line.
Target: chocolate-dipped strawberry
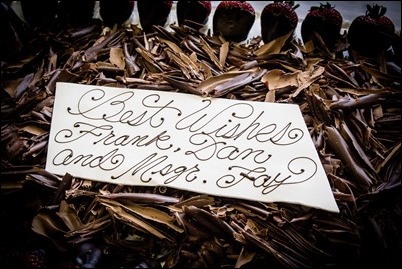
[
  {"x": 372, "y": 33},
  {"x": 324, "y": 20},
  {"x": 153, "y": 13},
  {"x": 278, "y": 19},
  {"x": 39, "y": 13},
  {"x": 74, "y": 13},
  {"x": 233, "y": 20},
  {"x": 115, "y": 12},
  {"x": 194, "y": 11},
  {"x": 15, "y": 32}
]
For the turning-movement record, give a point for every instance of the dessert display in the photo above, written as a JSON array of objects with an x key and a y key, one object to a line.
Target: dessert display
[{"x": 349, "y": 96}]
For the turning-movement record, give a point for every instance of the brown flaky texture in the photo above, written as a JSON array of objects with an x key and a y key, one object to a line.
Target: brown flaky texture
[{"x": 351, "y": 108}]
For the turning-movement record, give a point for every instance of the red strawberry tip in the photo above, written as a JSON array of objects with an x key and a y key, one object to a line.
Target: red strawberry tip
[
  {"x": 207, "y": 5},
  {"x": 279, "y": 5},
  {"x": 243, "y": 5}
]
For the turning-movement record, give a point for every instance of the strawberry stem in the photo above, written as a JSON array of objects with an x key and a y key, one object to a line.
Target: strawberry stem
[{"x": 376, "y": 11}]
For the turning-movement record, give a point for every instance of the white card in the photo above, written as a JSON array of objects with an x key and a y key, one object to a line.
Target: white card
[{"x": 242, "y": 149}]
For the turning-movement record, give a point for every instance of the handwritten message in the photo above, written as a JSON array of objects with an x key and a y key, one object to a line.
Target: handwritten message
[{"x": 242, "y": 149}]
